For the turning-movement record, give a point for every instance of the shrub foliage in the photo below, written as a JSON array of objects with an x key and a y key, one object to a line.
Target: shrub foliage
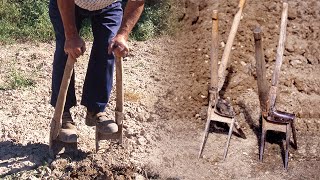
[
  {"x": 28, "y": 20},
  {"x": 25, "y": 20},
  {"x": 153, "y": 21}
]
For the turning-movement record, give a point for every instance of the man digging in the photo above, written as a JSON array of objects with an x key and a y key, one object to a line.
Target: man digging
[{"x": 111, "y": 28}]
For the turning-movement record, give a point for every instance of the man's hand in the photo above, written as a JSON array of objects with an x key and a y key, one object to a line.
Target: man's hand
[
  {"x": 132, "y": 12},
  {"x": 119, "y": 46},
  {"x": 74, "y": 47}
]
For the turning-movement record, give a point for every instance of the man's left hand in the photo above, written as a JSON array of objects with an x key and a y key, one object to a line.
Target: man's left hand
[{"x": 119, "y": 46}]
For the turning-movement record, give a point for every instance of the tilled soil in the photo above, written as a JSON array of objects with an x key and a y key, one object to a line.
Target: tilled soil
[{"x": 166, "y": 83}]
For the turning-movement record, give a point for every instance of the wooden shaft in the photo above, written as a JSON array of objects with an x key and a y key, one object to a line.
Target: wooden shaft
[
  {"x": 263, "y": 89},
  {"x": 214, "y": 58},
  {"x": 119, "y": 85},
  {"x": 281, "y": 44},
  {"x": 279, "y": 57},
  {"x": 57, "y": 117},
  {"x": 227, "y": 50},
  {"x": 241, "y": 3}
]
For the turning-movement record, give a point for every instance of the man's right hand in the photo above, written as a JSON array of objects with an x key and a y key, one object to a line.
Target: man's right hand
[{"x": 74, "y": 46}]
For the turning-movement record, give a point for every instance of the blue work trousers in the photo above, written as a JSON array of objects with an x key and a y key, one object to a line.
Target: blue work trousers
[{"x": 98, "y": 82}]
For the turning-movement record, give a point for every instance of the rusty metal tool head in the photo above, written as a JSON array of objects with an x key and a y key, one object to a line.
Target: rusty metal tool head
[
  {"x": 273, "y": 119},
  {"x": 219, "y": 109}
]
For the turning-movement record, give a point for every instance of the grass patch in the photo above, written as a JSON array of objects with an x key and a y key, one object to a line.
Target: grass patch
[
  {"x": 131, "y": 96},
  {"x": 17, "y": 80}
]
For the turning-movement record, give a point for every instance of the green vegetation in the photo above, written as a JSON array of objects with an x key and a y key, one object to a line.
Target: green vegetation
[
  {"x": 28, "y": 20},
  {"x": 153, "y": 21},
  {"x": 24, "y": 20},
  {"x": 17, "y": 80}
]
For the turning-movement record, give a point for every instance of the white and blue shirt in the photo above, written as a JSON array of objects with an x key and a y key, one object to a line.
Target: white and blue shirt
[{"x": 93, "y": 5}]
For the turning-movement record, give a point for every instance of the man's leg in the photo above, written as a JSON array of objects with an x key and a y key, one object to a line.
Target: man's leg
[
  {"x": 60, "y": 57},
  {"x": 98, "y": 82},
  {"x": 59, "y": 63}
]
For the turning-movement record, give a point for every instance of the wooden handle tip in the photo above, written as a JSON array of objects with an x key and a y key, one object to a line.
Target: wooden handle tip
[
  {"x": 285, "y": 3},
  {"x": 215, "y": 14},
  {"x": 241, "y": 3},
  {"x": 257, "y": 33}
]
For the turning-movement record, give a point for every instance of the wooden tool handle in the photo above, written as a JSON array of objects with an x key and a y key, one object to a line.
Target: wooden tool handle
[
  {"x": 261, "y": 71},
  {"x": 227, "y": 50},
  {"x": 281, "y": 44},
  {"x": 57, "y": 117},
  {"x": 241, "y": 3},
  {"x": 119, "y": 85},
  {"x": 119, "y": 91},
  {"x": 214, "y": 58},
  {"x": 279, "y": 57}
]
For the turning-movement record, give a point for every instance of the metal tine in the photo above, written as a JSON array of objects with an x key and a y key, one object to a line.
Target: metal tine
[
  {"x": 228, "y": 141},
  {"x": 294, "y": 134},
  {"x": 205, "y": 136},
  {"x": 286, "y": 159}
]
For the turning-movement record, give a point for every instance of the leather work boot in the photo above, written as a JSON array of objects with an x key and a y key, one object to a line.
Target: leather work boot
[
  {"x": 91, "y": 119},
  {"x": 102, "y": 123},
  {"x": 68, "y": 132}
]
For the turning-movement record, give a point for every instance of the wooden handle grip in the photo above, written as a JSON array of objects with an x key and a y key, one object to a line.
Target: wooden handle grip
[
  {"x": 279, "y": 57},
  {"x": 215, "y": 15},
  {"x": 119, "y": 84},
  {"x": 261, "y": 70},
  {"x": 227, "y": 49},
  {"x": 280, "y": 49},
  {"x": 241, "y": 3},
  {"x": 214, "y": 57}
]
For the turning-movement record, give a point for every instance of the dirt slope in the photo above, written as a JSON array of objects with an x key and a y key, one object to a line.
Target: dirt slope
[
  {"x": 166, "y": 82},
  {"x": 299, "y": 93}
]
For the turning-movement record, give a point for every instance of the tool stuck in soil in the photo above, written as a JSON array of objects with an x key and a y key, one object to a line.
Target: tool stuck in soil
[
  {"x": 55, "y": 144},
  {"x": 119, "y": 108},
  {"x": 221, "y": 110},
  {"x": 273, "y": 119}
]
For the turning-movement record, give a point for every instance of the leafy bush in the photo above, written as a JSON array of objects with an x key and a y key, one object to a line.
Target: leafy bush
[
  {"x": 153, "y": 21},
  {"x": 25, "y": 20}
]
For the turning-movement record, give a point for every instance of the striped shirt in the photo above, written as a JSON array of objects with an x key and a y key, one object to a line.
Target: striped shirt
[{"x": 93, "y": 5}]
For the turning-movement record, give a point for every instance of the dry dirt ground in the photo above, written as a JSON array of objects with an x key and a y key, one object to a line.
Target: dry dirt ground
[{"x": 166, "y": 81}]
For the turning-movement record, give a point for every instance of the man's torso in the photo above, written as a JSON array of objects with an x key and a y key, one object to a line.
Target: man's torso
[{"x": 93, "y": 5}]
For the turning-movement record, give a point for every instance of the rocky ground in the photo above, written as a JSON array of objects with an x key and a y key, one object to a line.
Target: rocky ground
[{"x": 166, "y": 81}]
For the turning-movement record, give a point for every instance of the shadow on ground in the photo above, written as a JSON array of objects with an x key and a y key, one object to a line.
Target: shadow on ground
[{"x": 15, "y": 157}]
